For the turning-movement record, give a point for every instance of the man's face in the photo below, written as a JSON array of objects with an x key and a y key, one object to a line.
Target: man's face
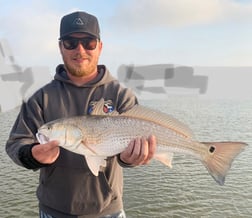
[{"x": 80, "y": 61}]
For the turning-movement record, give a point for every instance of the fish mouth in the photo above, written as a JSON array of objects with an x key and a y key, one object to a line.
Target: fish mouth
[{"x": 42, "y": 139}]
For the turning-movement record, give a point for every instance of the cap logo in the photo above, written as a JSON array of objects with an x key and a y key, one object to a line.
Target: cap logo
[{"x": 78, "y": 21}]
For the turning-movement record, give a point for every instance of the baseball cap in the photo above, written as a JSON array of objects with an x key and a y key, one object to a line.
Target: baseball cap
[{"x": 79, "y": 22}]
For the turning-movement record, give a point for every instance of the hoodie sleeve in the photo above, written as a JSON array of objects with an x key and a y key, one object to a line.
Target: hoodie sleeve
[{"x": 22, "y": 136}]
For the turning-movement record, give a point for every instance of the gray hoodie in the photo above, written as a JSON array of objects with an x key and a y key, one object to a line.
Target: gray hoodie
[{"x": 67, "y": 187}]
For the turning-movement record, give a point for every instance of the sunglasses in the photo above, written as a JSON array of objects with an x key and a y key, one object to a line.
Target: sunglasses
[{"x": 71, "y": 43}]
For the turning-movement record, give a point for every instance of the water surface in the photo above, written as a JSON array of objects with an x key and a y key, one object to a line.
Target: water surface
[{"x": 150, "y": 191}]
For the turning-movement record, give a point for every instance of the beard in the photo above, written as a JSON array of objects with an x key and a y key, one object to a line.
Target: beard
[{"x": 83, "y": 69}]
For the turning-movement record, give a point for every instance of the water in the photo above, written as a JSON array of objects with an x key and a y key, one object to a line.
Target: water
[{"x": 187, "y": 190}]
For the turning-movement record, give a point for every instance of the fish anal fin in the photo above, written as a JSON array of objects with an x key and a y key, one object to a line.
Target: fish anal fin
[
  {"x": 220, "y": 157},
  {"x": 95, "y": 162},
  {"x": 165, "y": 158}
]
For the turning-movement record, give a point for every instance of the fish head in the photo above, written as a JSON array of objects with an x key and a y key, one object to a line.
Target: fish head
[
  {"x": 68, "y": 135},
  {"x": 49, "y": 132}
]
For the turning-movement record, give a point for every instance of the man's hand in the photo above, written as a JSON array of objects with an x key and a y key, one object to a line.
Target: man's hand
[
  {"x": 139, "y": 151},
  {"x": 46, "y": 153}
]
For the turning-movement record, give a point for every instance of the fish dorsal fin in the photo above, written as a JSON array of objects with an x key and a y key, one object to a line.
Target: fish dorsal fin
[
  {"x": 160, "y": 118},
  {"x": 142, "y": 112}
]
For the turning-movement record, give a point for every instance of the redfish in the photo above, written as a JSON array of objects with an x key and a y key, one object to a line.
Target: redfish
[{"x": 100, "y": 136}]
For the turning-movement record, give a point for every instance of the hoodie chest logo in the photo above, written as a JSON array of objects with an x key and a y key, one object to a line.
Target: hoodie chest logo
[{"x": 101, "y": 107}]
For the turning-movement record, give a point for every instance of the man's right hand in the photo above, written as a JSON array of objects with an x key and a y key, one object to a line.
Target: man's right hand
[{"x": 46, "y": 153}]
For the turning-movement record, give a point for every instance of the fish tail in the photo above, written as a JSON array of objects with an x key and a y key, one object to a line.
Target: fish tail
[{"x": 220, "y": 157}]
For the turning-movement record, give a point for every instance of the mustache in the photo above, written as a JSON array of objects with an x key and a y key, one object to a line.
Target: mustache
[{"x": 80, "y": 56}]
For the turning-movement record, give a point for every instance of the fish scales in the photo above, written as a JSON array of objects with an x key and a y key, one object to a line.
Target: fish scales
[{"x": 116, "y": 133}]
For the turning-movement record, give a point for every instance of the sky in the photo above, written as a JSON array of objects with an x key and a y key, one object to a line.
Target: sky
[{"x": 143, "y": 32}]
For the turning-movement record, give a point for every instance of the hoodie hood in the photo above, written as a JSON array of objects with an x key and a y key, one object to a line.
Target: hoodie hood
[{"x": 104, "y": 76}]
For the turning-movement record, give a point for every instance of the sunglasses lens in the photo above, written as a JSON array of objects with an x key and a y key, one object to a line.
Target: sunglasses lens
[
  {"x": 70, "y": 43},
  {"x": 87, "y": 43}
]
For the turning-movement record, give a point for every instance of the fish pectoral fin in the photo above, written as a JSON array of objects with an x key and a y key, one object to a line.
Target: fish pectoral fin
[
  {"x": 95, "y": 162},
  {"x": 165, "y": 158}
]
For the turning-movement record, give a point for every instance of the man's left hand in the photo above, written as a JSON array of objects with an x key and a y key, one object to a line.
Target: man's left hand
[{"x": 139, "y": 151}]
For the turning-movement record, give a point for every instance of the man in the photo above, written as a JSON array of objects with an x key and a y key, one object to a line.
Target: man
[{"x": 67, "y": 188}]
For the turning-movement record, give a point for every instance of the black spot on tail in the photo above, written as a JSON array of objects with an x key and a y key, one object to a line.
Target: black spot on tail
[{"x": 211, "y": 149}]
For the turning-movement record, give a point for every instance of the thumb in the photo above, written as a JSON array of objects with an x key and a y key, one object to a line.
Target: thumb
[
  {"x": 49, "y": 145},
  {"x": 54, "y": 143}
]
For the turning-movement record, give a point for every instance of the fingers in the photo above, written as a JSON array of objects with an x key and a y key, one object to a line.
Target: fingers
[
  {"x": 126, "y": 155},
  {"x": 51, "y": 145},
  {"x": 148, "y": 149},
  {"x": 143, "y": 153},
  {"x": 46, "y": 153},
  {"x": 139, "y": 151},
  {"x": 152, "y": 146}
]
